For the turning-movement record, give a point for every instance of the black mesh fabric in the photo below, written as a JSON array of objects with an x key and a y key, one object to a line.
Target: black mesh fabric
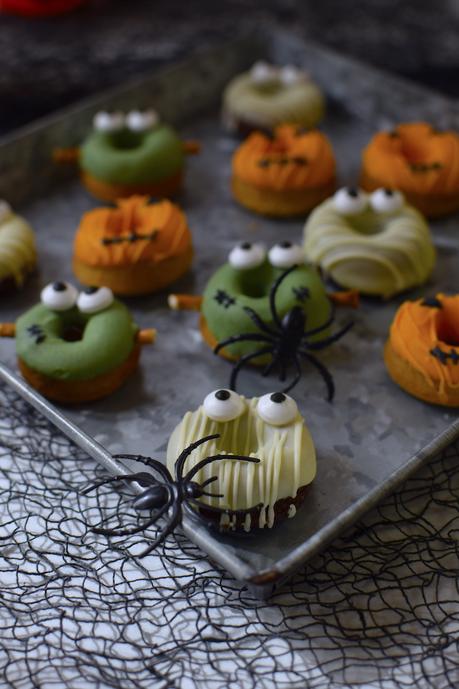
[{"x": 378, "y": 609}]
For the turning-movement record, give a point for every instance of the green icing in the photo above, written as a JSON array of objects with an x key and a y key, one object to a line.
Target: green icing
[
  {"x": 127, "y": 157},
  {"x": 107, "y": 341},
  {"x": 229, "y": 290}
]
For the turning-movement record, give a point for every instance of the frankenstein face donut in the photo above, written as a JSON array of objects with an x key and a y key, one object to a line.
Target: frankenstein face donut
[
  {"x": 375, "y": 243},
  {"x": 135, "y": 248},
  {"x": 266, "y": 96},
  {"x": 420, "y": 161},
  {"x": 130, "y": 154},
  {"x": 17, "y": 248},
  {"x": 287, "y": 174},
  {"x": 269, "y": 309},
  {"x": 77, "y": 347},
  {"x": 422, "y": 352},
  {"x": 269, "y": 428}
]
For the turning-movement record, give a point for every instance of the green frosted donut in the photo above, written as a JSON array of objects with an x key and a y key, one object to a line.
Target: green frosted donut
[
  {"x": 232, "y": 288},
  {"x": 129, "y": 157},
  {"x": 73, "y": 344}
]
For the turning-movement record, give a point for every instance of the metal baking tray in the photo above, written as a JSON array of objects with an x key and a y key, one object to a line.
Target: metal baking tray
[{"x": 374, "y": 435}]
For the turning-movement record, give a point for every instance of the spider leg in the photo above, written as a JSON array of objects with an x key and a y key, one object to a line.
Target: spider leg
[
  {"x": 324, "y": 372},
  {"x": 272, "y": 295},
  {"x": 209, "y": 480},
  {"x": 140, "y": 478},
  {"x": 325, "y": 324},
  {"x": 175, "y": 519},
  {"x": 321, "y": 344},
  {"x": 243, "y": 360},
  {"x": 207, "y": 460},
  {"x": 149, "y": 462},
  {"x": 297, "y": 377},
  {"x": 253, "y": 315},
  {"x": 213, "y": 495},
  {"x": 180, "y": 463},
  {"x": 141, "y": 527},
  {"x": 269, "y": 367},
  {"x": 249, "y": 337}
]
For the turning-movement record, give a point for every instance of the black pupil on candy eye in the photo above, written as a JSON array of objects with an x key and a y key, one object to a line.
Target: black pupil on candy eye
[
  {"x": 222, "y": 395},
  {"x": 90, "y": 290},
  {"x": 388, "y": 192},
  {"x": 246, "y": 246},
  {"x": 353, "y": 192},
  {"x": 278, "y": 397},
  {"x": 59, "y": 286},
  {"x": 285, "y": 244}
]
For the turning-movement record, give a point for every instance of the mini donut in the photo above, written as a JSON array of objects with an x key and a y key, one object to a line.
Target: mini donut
[
  {"x": 267, "y": 96},
  {"x": 269, "y": 428},
  {"x": 18, "y": 255},
  {"x": 76, "y": 347},
  {"x": 420, "y": 161},
  {"x": 422, "y": 351},
  {"x": 135, "y": 248},
  {"x": 128, "y": 154},
  {"x": 283, "y": 175},
  {"x": 377, "y": 244}
]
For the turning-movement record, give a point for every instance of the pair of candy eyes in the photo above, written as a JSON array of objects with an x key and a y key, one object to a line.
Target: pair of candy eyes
[
  {"x": 135, "y": 120},
  {"x": 62, "y": 296},
  {"x": 274, "y": 408},
  {"x": 263, "y": 73},
  {"x": 353, "y": 201},
  {"x": 281, "y": 255}
]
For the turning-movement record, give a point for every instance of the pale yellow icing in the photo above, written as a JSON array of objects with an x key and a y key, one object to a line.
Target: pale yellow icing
[
  {"x": 17, "y": 248},
  {"x": 287, "y": 460},
  {"x": 376, "y": 253}
]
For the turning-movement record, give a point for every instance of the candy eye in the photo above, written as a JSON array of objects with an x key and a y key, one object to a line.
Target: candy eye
[
  {"x": 223, "y": 405},
  {"x": 138, "y": 121},
  {"x": 386, "y": 200},
  {"x": 59, "y": 296},
  {"x": 291, "y": 75},
  {"x": 263, "y": 73},
  {"x": 5, "y": 210},
  {"x": 285, "y": 254},
  {"x": 108, "y": 121},
  {"x": 94, "y": 299},
  {"x": 277, "y": 409},
  {"x": 247, "y": 255},
  {"x": 349, "y": 201}
]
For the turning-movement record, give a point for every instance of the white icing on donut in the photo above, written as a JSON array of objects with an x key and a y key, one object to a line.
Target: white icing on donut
[
  {"x": 59, "y": 296},
  {"x": 5, "y": 210},
  {"x": 138, "y": 121},
  {"x": 93, "y": 301},
  {"x": 277, "y": 409},
  {"x": 386, "y": 200},
  {"x": 285, "y": 255},
  {"x": 223, "y": 405},
  {"x": 247, "y": 255},
  {"x": 108, "y": 122},
  {"x": 350, "y": 201}
]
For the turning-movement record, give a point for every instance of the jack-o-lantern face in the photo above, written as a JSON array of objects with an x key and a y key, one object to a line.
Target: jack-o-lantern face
[{"x": 133, "y": 232}]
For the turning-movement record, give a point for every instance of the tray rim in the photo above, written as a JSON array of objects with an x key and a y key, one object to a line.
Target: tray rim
[{"x": 262, "y": 582}]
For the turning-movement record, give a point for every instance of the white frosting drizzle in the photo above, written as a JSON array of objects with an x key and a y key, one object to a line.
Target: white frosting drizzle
[
  {"x": 287, "y": 459},
  {"x": 17, "y": 248}
]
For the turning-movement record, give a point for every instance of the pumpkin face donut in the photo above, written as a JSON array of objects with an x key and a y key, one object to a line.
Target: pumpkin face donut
[
  {"x": 135, "y": 248},
  {"x": 76, "y": 347},
  {"x": 130, "y": 154},
  {"x": 269, "y": 428},
  {"x": 377, "y": 244},
  {"x": 267, "y": 96},
  {"x": 422, "y": 352},
  {"x": 285, "y": 175},
  {"x": 18, "y": 255},
  {"x": 419, "y": 161}
]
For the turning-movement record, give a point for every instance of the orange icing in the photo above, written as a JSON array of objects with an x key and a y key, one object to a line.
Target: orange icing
[
  {"x": 418, "y": 329},
  {"x": 293, "y": 159},
  {"x": 414, "y": 158},
  {"x": 161, "y": 230}
]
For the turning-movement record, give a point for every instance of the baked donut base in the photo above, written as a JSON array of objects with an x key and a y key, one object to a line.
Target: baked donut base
[
  {"x": 137, "y": 279},
  {"x": 284, "y": 203},
  {"x": 432, "y": 205},
  {"x": 105, "y": 191},
  {"x": 414, "y": 382},
  {"x": 77, "y": 391}
]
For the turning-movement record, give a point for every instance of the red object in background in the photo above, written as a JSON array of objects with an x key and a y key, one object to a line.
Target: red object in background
[{"x": 39, "y": 8}]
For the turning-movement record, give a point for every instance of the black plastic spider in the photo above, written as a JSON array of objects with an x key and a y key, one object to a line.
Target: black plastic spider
[
  {"x": 167, "y": 496},
  {"x": 286, "y": 341}
]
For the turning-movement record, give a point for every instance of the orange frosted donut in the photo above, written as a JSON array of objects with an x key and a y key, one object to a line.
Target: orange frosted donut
[
  {"x": 135, "y": 248},
  {"x": 287, "y": 174},
  {"x": 418, "y": 160},
  {"x": 422, "y": 352}
]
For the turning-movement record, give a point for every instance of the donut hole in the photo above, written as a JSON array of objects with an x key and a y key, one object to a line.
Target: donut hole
[
  {"x": 73, "y": 332},
  {"x": 256, "y": 284},
  {"x": 448, "y": 327},
  {"x": 126, "y": 140},
  {"x": 368, "y": 223}
]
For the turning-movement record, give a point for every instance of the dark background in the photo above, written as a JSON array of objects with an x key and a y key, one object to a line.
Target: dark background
[{"x": 49, "y": 63}]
